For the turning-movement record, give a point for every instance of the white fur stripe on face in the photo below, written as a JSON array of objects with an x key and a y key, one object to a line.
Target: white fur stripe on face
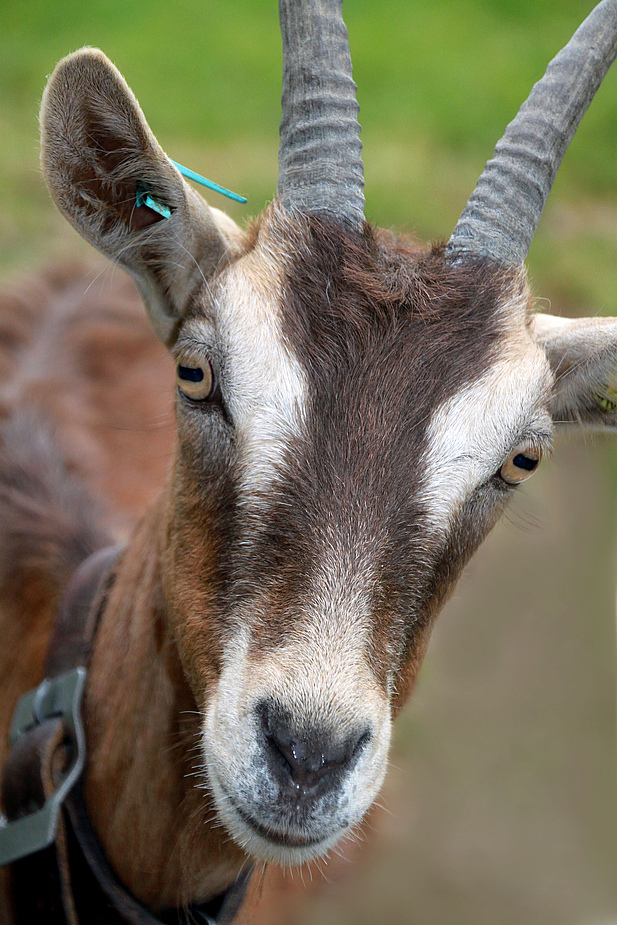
[
  {"x": 267, "y": 385},
  {"x": 322, "y": 681},
  {"x": 472, "y": 433}
]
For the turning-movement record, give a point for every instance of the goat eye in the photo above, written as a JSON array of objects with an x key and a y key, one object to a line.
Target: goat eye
[
  {"x": 520, "y": 464},
  {"x": 196, "y": 379}
]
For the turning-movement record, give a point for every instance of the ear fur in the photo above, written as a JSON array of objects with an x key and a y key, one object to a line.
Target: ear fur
[
  {"x": 582, "y": 353},
  {"x": 97, "y": 151}
]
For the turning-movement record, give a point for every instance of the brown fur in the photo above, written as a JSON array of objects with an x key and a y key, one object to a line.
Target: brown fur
[
  {"x": 86, "y": 391},
  {"x": 77, "y": 348},
  {"x": 143, "y": 744},
  {"x": 67, "y": 352},
  {"x": 79, "y": 409},
  {"x": 82, "y": 358},
  {"x": 386, "y": 332},
  {"x": 381, "y": 335}
]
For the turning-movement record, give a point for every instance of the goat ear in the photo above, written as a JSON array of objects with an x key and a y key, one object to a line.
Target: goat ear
[
  {"x": 105, "y": 170},
  {"x": 582, "y": 353}
]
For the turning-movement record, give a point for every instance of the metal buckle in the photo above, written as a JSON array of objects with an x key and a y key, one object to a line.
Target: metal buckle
[{"x": 54, "y": 697}]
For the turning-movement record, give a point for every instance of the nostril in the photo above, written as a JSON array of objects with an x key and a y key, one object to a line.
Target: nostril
[
  {"x": 360, "y": 744},
  {"x": 309, "y": 757}
]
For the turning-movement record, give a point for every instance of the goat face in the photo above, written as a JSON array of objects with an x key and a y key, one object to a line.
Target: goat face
[
  {"x": 352, "y": 419},
  {"x": 349, "y": 461}
]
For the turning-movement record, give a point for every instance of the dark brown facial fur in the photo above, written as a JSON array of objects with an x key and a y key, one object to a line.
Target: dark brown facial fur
[{"x": 385, "y": 334}]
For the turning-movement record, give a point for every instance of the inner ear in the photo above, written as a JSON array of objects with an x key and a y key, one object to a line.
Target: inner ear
[
  {"x": 143, "y": 217},
  {"x": 97, "y": 150},
  {"x": 109, "y": 165},
  {"x": 582, "y": 353},
  {"x": 112, "y": 180}
]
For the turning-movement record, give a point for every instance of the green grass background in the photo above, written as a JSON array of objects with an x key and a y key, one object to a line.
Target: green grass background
[{"x": 438, "y": 81}]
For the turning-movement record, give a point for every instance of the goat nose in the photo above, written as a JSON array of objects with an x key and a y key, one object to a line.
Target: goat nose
[{"x": 309, "y": 760}]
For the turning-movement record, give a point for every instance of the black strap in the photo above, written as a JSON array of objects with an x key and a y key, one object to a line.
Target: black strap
[
  {"x": 45, "y": 743},
  {"x": 80, "y": 611},
  {"x": 40, "y": 882},
  {"x": 96, "y": 878},
  {"x": 70, "y": 881}
]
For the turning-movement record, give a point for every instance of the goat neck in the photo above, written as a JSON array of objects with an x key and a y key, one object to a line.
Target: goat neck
[{"x": 142, "y": 789}]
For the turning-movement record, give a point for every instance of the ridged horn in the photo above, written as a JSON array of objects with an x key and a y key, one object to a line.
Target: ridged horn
[
  {"x": 503, "y": 211},
  {"x": 320, "y": 155}
]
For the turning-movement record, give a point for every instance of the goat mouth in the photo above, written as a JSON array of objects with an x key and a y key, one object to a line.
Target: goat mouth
[{"x": 285, "y": 840}]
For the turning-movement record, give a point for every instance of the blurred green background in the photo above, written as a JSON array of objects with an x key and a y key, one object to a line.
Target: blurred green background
[
  {"x": 503, "y": 793},
  {"x": 438, "y": 81}
]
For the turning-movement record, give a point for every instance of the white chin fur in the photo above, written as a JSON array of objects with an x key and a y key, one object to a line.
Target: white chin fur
[{"x": 329, "y": 681}]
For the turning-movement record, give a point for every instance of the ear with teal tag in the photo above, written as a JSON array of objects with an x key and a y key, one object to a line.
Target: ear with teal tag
[{"x": 115, "y": 184}]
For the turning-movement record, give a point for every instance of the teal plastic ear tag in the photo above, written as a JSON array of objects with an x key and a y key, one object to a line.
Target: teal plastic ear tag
[
  {"x": 197, "y": 178},
  {"x": 143, "y": 198}
]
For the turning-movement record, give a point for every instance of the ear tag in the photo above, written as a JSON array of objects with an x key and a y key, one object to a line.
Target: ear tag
[
  {"x": 197, "y": 178},
  {"x": 143, "y": 198}
]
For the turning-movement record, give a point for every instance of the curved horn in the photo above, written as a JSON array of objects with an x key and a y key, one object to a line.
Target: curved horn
[
  {"x": 503, "y": 211},
  {"x": 320, "y": 155}
]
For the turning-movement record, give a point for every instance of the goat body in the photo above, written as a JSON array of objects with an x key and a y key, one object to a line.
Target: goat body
[{"x": 352, "y": 416}]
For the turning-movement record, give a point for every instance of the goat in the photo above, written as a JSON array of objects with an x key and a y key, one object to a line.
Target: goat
[{"x": 353, "y": 415}]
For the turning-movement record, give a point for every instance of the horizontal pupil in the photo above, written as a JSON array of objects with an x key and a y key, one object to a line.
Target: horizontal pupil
[
  {"x": 190, "y": 373},
  {"x": 524, "y": 462}
]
